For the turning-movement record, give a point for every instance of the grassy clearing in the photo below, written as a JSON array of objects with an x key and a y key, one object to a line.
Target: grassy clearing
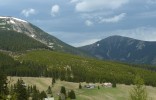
[{"x": 119, "y": 93}]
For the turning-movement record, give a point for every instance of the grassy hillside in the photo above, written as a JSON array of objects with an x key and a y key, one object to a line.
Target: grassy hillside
[
  {"x": 74, "y": 68},
  {"x": 119, "y": 93},
  {"x": 14, "y": 41}
]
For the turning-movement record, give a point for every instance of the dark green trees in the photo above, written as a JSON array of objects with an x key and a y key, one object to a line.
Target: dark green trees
[
  {"x": 72, "y": 95},
  {"x": 80, "y": 87},
  {"x": 49, "y": 91},
  {"x": 14, "y": 41},
  {"x": 63, "y": 90},
  {"x": 53, "y": 81},
  {"x": 114, "y": 84},
  {"x": 43, "y": 95},
  {"x": 21, "y": 90},
  {"x": 3, "y": 86},
  {"x": 63, "y": 93}
]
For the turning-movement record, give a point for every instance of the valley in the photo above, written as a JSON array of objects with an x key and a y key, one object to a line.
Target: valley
[
  {"x": 121, "y": 92},
  {"x": 32, "y": 55}
]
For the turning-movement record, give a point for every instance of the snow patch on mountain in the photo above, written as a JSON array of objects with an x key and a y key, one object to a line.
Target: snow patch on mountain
[
  {"x": 11, "y": 21},
  {"x": 20, "y": 20},
  {"x": 140, "y": 45},
  {"x": 13, "y": 18},
  {"x": 98, "y": 45}
]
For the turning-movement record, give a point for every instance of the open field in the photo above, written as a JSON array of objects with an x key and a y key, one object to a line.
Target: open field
[{"x": 119, "y": 93}]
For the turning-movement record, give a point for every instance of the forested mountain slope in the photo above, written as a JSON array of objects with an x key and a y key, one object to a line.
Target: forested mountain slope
[
  {"x": 10, "y": 24},
  {"x": 119, "y": 48}
]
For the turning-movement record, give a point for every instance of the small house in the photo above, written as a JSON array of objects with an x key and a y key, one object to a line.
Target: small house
[
  {"x": 90, "y": 86},
  {"x": 49, "y": 98},
  {"x": 107, "y": 84}
]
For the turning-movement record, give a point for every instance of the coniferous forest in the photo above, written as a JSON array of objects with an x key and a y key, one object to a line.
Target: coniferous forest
[
  {"x": 67, "y": 67},
  {"x": 15, "y": 41}
]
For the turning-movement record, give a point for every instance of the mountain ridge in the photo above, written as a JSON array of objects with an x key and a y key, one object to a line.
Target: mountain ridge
[
  {"x": 22, "y": 26},
  {"x": 124, "y": 49}
]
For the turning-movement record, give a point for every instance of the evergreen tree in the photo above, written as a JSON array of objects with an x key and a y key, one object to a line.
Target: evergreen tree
[
  {"x": 72, "y": 94},
  {"x": 35, "y": 93},
  {"x": 98, "y": 87},
  {"x": 114, "y": 84},
  {"x": 63, "y": 90},
  {"x": 80, "y": 87},
  {"x": 53, "y": 81},
  {"x": 139, "y": 91},
  {"x": 21, "y": 90},
  {"x": 49, "y": 91},
  {"x": 3, "y": 86},
  {"x": 43, "y": 95}
]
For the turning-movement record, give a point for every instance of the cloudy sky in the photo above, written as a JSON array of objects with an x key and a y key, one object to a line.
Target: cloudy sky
[{"x": 81, "y": 22}]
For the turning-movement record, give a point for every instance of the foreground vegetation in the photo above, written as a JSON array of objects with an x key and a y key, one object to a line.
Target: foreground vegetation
[
  {"x": 121, "y": 92},
  {"x": 74, "y": 69}
]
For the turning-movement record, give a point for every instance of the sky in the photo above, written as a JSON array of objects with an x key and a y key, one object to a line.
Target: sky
[{"x": 82, "y": 22}]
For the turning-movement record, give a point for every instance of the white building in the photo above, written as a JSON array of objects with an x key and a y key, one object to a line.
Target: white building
[{"x": 51, "y": 98}]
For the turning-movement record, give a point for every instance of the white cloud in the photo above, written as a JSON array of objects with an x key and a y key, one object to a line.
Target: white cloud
[
  {"x": 94, "y": 5},
  {"x": 89, "y": 23},
  {"x": 85, "y": 42},
  {"x": 113, "y": 19},
  {"x": 55, "y": 10},
  {"x": 28, "y": 12}
]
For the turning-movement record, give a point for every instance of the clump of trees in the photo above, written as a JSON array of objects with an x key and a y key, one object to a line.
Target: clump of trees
[
  {"x": 19, "y": 91},
  {"x": 3, "y": 86},
  {"x": 66, "y": 96},
  {"x": 71, "y": 94}
]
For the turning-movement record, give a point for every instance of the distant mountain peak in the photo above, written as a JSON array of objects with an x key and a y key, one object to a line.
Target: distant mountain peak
[
  {"x": 16, "y": 25},
  {"x": 117, "y": 37},
  {"x": 125, "y": 49},
  {"x": 13, "y": 19}
]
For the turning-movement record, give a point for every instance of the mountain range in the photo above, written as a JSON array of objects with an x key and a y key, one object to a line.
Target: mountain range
[
  {"x": 119, "y": 48},
  {"x": 35, "y": 53},
  {"x": 18, "y": 35},
  {"x": 32, "y": 37}
]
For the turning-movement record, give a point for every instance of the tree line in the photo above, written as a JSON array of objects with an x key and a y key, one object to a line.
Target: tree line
[{"x": 75, "y": 69}]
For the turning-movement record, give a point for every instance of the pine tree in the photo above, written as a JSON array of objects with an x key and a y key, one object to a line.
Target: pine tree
[
  {"x": 72, "y": 94},
  {"x": 43, "y": 95},
  {"x": 49, "y": 91},
  {"x": 139, "y": 91},
  {"x": 53, "y": 81},
  {"x": 80, "y": 86},
  {"x": 63, "y": 90},
  {"x": 98, "y": 87},
  {"x": 114, "y": 84},
  {"x": 3, "y": 86},
  {"x": 35, "y": 93},
  {"x": 21, "y": 90}
]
